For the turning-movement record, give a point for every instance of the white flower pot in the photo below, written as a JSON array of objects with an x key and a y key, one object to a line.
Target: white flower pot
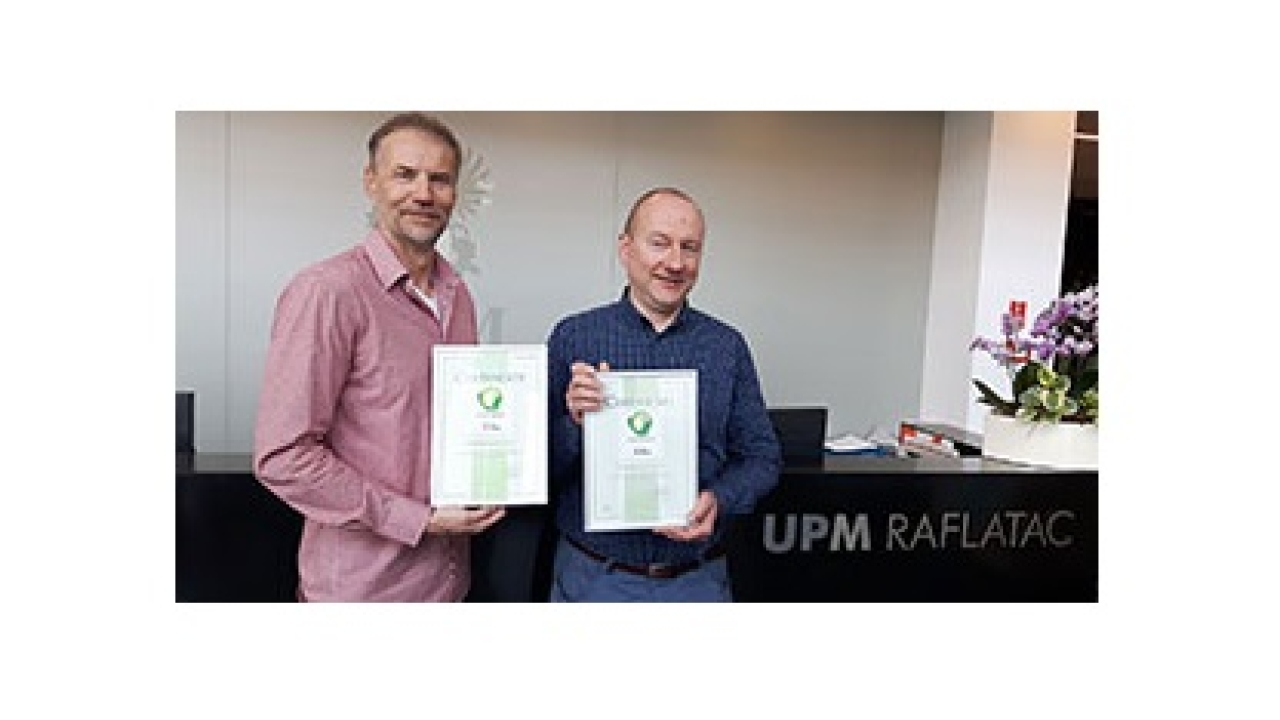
[{"x": 1064, "y": 446}]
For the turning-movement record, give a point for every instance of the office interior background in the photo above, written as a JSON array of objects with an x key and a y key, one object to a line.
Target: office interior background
[{"x": 859, "y": 252}]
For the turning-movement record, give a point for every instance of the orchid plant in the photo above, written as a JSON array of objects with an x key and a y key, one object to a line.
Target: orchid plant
[{"x": 1053, "y": 367}]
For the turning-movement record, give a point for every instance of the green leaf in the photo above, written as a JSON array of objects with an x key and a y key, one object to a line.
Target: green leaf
[
  {"x": 1032, "y": 397},
  {"x": 1090, "y": 398},
  {"x": 992, "y": 398},
  {"x": 1026, "y": 378},
  {"x": 1055, "y": 401},
  {"x": 1045, "y": 376},
  {"x": 1088, "y": 381}
]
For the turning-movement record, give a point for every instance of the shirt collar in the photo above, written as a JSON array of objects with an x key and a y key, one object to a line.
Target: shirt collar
[
  {"x": 624, "y": 305},
  {"x": 391, "y": 271}
]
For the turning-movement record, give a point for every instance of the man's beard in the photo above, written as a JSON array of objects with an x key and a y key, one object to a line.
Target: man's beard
[
  {"x": 391, "y": 229},
  {"x": 427, "y": 245}
]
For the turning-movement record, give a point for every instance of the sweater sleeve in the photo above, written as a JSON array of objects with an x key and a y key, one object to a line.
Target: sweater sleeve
[
  {"x": 565, "y": 439},
  {"x": 753, "y": 457}
]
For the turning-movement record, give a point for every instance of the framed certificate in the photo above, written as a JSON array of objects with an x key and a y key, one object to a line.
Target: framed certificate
[
  {"x": 489, "y": 425},
  {"x": 640, "y": 452}
]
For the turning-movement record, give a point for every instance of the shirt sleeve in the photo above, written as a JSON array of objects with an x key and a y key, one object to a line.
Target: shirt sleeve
[
  {"x": 753, "y": 457},
  {"x": 565, "y": 435},
  {"x": 311, "y": 347}
]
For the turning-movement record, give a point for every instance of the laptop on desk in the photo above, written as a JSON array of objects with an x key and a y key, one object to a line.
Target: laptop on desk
[{"x": 801, "y": 432}]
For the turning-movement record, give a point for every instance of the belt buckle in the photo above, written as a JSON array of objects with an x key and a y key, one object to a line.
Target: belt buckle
[
  {"x": 656, "y": 569},
  {"x": 661, "y": 571}
]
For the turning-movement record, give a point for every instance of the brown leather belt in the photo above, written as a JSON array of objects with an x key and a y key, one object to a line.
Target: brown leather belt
[{"x": 655, "y": 570}]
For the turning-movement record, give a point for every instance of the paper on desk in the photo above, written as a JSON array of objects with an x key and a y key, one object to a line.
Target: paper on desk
[{"x": 848, "y": 442}]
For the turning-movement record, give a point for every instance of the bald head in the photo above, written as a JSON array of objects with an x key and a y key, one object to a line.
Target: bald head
[{"x": 629, "y": 227}]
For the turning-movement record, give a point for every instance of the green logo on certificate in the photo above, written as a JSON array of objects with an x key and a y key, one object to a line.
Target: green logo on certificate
[
  {"x": 490, "y": 398},
  {"x": 640, "y": 422}
]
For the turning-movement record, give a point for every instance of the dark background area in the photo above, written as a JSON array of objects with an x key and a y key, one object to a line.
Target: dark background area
[{"x": 1080, "y": 257}]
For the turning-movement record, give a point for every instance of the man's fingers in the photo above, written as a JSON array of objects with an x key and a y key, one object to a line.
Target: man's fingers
[
  {"x": 482, "y": 518},
  {"x": 453, "y": 520}
]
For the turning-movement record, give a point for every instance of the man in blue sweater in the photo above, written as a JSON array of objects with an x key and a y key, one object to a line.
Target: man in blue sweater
[{"x": 653, "y": 327}]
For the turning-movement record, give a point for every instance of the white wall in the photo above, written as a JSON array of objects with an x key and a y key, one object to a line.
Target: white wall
[
  {"x": 201, "y": 269},
  {"x": 946, "y": 389},
  {"x": 820, "y": 237},
  {"x": 1003, "y": 194},
  {"x": 1022, "y": 242}
]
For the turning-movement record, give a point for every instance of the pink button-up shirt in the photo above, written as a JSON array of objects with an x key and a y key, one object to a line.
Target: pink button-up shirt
[{"x": 344, "y": 426}]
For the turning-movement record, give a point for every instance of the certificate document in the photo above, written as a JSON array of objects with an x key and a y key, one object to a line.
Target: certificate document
[
  {"x": 489, "y": 425},
  {"x": 640, "y": 451}
]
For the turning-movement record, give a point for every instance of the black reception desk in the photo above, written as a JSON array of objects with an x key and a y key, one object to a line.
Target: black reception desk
[
  {"x": 890, "y": 529},
  {"x": 850, "y": 529}
]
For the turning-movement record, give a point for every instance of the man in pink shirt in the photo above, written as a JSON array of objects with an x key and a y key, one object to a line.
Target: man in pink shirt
[{"x": 344, "y": 420}]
